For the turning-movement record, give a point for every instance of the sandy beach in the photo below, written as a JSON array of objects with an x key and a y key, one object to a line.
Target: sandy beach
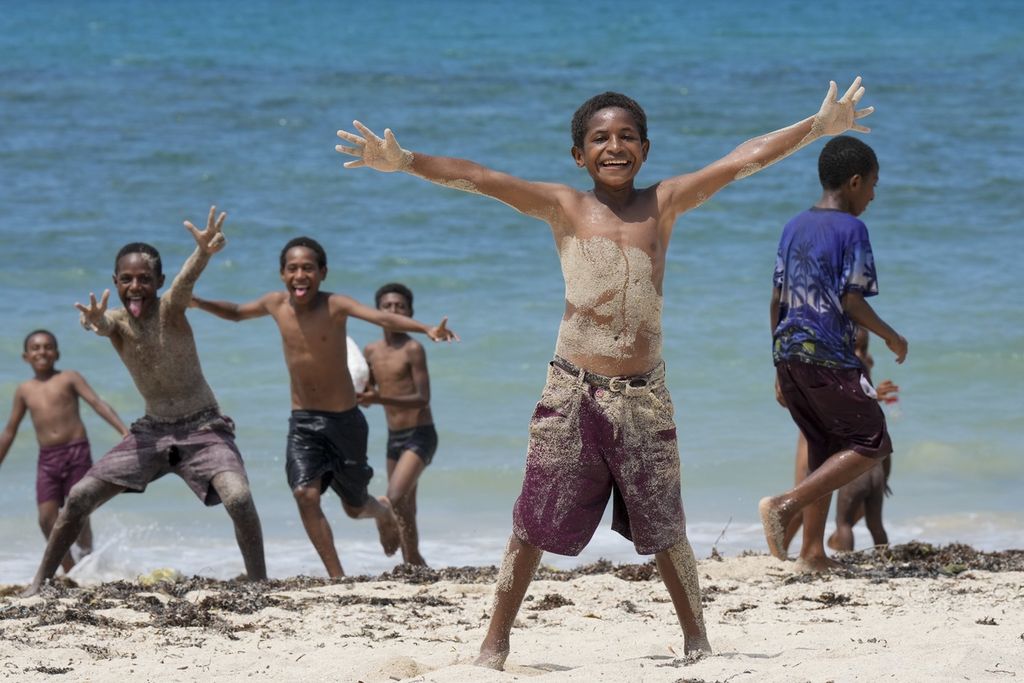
[{"x": 916, "y": 612}]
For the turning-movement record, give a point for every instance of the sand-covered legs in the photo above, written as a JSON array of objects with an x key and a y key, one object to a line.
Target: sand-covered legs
[
  {"x": 678, "y": 570},
  {"x": 777, "y": 511},
  {"x": 517, "y": 570},
  {"x": 87, "y": 495},
  {"x": 234, "y": 492}
]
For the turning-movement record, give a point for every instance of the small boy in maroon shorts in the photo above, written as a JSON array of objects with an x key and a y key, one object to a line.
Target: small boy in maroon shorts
[
  {"x": 824, "y": 271},
  {"x": 183, "y": 430},
  {"x": 51, "y": 398}
]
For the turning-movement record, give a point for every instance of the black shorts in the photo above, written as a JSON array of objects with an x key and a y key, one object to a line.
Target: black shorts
[
  {"x": 421, "y": 440},
  {"x": 833, "y": 412},
  {"x": 329, "y": 449}
]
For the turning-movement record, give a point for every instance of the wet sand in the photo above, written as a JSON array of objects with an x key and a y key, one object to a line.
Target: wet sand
[{"x": 914, "y": 612}]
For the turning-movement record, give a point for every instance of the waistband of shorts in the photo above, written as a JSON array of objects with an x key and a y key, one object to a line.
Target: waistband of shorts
[
  {"x": 626, "y": 385},
  {"x": 326, "y": 413},
  {"x": 49, "y": 450},
  {"x": 408, "y": 431},
  {"x": 196, "y": 419}
]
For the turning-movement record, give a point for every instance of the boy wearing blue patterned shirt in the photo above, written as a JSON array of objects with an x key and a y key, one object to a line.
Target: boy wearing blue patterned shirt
[{"x": 824, "y": 272}]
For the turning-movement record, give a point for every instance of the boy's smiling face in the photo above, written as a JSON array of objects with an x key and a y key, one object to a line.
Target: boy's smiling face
[
  {"x": 41, "y": 352},
  {"x": 302, "y": 274},
  {"x": 137, "y": 283},
  {"x": 612, "y": 149}
]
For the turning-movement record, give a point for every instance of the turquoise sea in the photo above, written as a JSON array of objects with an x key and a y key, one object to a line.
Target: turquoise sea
[{"x": 120, "y": 119}]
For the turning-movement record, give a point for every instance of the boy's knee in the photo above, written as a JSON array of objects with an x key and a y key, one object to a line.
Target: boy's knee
[{"x": 306, "y": 496}]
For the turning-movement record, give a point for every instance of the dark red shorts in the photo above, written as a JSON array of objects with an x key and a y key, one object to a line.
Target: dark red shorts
[
  {"x": 60, "y": 468},
  {"x": 589, "y": 443},
  {"x": 833, "y": 412}
]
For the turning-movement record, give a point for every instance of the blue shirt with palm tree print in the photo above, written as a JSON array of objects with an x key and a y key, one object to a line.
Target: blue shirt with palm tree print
[{"x": 823, "y": 254}]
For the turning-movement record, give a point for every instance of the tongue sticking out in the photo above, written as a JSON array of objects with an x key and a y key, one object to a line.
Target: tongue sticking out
[
  {"x": 300, "y": 292},
  {"x": 135, "y": 307}
]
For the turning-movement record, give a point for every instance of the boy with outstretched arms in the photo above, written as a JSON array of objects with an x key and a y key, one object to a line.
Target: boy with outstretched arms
[
  {"x": 604, "y": 420},
  {"x": 400, "y": 383},
  {"x": 824, "y": 271},
  {"x": 51, "y": 398},
  {"x": 183, "y": 430},
  {"x": 327, "y": 432}
]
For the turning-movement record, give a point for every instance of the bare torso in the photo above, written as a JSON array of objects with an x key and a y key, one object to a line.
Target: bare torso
[
  {"x": 613, "y": 263},
  {"x": 392, "y": 368},
  {"x": 316, "y": 353},
  {"x": 159, "y": 351},
  {"x": 53, "y": 406}
]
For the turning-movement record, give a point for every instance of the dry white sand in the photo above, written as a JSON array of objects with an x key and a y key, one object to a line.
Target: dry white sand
[{"x": 899, "y": 619}]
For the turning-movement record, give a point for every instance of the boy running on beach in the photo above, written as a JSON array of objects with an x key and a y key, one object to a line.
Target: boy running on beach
[
  {"x": 824, "y": 271},
  {"x": 326, "y": 432},
  {"x": 183, "y": 430},
  {"x": 865, "y": 493},
  {"x": 399, "y": 381},
  {"x": 51, "y": 398},
  {"x": 604, "y": 422}
]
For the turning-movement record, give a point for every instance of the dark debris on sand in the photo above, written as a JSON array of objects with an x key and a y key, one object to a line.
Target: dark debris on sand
[{"x": 923, "y": 560}]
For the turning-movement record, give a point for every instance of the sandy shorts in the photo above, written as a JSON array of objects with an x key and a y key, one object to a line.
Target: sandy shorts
[
  {"x": 329, "y": 449},
  {"x": 196, "y": 448},
  {"x": 833, "y": 411},
  {"x": 59, "y": 468},
  {"x": 589, "y": 442},
  {"x": 421, "y": 440}
]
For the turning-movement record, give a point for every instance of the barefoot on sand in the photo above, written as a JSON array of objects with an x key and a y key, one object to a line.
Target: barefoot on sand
[
  {"x": 492, "y": 660},
  {"x": 387, "y": 528},
  {"x": 817, "y": 565},
  {"x": 774, "y": 531}
]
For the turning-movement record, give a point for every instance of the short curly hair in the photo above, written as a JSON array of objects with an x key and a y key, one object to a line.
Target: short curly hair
[
  {"x": 843, "y": 157},
  {"x": 394, "y": 288},
  {"x": 33, "y": 333},
  {"x": 308, "y": 243},
  {"x": 147, "y": 250},
  {"x": 603, "y": 101}
]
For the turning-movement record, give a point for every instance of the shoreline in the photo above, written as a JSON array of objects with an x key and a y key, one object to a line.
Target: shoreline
[{"x": 949, "y": 611}]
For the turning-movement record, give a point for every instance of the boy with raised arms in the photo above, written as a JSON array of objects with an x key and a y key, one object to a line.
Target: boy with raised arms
[
  {"x": 51, "y": 398},
  {"x": 399, "y": 382},
  {"x": 327, "y": 432},
  {"x": 604, "y": 422},
  {"x": 183, "y": 430}
]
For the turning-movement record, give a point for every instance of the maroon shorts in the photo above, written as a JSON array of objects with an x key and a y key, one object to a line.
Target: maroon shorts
[
  {"x": 60, "y": 468},
  {"x": 833, "y": 412},
  {"x": 588, "y": 442},
  {"x": 196, "y": 448}
]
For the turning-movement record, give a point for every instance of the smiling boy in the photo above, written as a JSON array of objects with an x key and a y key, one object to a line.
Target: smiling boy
[
  {"x": 327, "y": 432},
  {"x": 51, "y": 398},
  {"x": 183, "y": 430},
  {"x": 604, "y": 422}
]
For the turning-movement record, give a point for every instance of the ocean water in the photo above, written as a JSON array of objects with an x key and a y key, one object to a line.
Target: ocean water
[{"x": 118, "y": 120}]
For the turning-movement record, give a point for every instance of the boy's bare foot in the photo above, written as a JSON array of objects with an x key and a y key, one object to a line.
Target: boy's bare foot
[
  {"x": 696, "y": 647},
  {"x": 31, "y": 590},
  {"x": 492, "y": 659},
  {"x": 387, "y": 528},
  {"x": 774, "y": 529},
  {"x": 817, "y": 565}
]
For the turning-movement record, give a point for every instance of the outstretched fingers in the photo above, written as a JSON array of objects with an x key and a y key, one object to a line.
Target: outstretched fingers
[{"x": 852, "y": 93}]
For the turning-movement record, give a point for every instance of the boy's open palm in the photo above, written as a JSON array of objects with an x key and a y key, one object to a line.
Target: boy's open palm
[
  {"x": 442, "y": 333},
  {"x": 383, "y": 154},
  {"x": 211, "y": 240},
  {"x": 93, "y": 315},
  {"x": 838, "y": 116}
]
